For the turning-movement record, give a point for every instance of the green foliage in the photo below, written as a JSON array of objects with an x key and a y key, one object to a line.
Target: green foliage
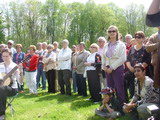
[
  {"x": 2, "y": 36},
  {"x": 33, "y": 21}
]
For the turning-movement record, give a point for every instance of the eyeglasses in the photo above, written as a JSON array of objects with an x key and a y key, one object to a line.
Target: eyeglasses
[
  {"x": 100, "y": 41},
  {"x": 49, "y": 48},
  {"x": 112, "y": 31},
  {"x": 138, "y": 37},
  {"x": 93, "y": 47}
]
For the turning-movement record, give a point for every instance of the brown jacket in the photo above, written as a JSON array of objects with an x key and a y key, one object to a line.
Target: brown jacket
[{"x": 152, "y": 47}]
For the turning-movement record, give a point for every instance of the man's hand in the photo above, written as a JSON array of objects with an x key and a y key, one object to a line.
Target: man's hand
[{"x": 74, "y": 68}]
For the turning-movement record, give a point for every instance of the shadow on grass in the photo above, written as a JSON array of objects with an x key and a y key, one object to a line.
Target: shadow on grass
[
  {"x": 58, "y": 97},
  {"x": 95, "y": 117},
  {"x": 81, "y": 103}
]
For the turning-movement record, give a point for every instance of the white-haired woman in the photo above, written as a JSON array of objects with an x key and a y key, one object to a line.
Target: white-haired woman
[
  {"x": 93, "y": 68},
  {"x": 50, "y": 66}
]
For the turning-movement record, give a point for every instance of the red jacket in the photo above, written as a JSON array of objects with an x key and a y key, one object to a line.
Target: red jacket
[{"x": 32, "y": 64}]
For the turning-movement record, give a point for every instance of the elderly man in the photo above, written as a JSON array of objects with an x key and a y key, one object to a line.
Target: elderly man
[
  {"x": 56, "y": 50},
  {"x": 128, "y": 39},
  {"x": 40, "y": 71},
  {"x": 101, "y": 43},
  {"x": 10, "y": 46},
  {"x": 39, "y": 48},
  {"x": 64, "y": 68}
]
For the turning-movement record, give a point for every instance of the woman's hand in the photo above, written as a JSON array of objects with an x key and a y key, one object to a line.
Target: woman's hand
[
  {"x": 109, "y": 70},
  {"x": 128, "y": 107}
]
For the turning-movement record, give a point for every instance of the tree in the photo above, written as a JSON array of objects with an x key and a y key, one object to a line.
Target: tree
[{"x": 2, "y": 36}]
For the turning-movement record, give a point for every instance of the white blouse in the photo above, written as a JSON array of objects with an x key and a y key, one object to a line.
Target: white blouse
[
  {"x": 91, "y": 59},
  {"x": 15, "y": 75}
]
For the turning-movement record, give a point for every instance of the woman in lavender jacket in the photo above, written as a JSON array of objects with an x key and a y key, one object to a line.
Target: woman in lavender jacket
[{"x": 114, "y": 55}]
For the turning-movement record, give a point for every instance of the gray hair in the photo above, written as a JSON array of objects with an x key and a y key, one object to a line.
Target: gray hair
[
  {"x": 39, "y": 43},
  {"x": 55, "y": 42},
  {"x": 50, "y": 46},
  {"x": 2, "y": 45},
  {"x": 103, "y": 39},
  {"x": 44, "y": 43},
  {"x": 65, "y": 41},
  {"x": 129, "y": 35},
  {"x": 11, "y": 41}
]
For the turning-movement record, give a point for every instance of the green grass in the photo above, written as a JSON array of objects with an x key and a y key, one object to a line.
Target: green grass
[{"x": 48, "y": 106}]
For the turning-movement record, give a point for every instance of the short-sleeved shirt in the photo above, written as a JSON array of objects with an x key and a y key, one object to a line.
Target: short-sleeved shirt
[{"x": 138, "y": 56}]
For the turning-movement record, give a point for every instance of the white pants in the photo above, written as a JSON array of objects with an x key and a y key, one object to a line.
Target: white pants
[{"x": 31, "y": 81}]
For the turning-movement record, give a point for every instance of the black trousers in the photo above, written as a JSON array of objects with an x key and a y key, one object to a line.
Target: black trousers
[
  {"x": 5, "y": 91},
  {"x": 81, "y": 84},
  {"x": 129, "y": 84},
  {"x": 94, "y": 85},
  {"x": 51, "y": 78},
  {"x": 64, "y": 81}
]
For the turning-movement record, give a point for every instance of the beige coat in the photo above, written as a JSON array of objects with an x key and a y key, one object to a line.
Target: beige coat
[
  {"x": 81, "y": 58},
  {"x": 50, "y": 62}
]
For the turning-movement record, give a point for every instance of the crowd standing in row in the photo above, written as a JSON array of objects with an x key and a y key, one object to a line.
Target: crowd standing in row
[{"x": 110, "y": 63}]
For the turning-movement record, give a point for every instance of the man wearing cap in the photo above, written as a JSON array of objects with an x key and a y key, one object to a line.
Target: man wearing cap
[
  {"x": 110, "y": 107},
  {"x": 64, "y": 68},
  {"x": 10, "y": 46}
]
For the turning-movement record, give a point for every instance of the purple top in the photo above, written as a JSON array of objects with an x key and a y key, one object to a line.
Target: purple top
[
  {"x": 111, "y": 48},
  {"x": 100, "y": 51}
]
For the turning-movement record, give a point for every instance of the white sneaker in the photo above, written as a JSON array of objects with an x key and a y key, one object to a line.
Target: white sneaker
[
  {"x": 96, "y": 102},
  {"x": 2, "y": 117}
]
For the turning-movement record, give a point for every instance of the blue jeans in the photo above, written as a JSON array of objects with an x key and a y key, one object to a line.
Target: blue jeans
[{"x": 42, "y": 73}]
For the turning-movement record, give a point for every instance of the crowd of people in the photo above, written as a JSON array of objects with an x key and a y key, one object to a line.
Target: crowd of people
[
  {"x": 106, "y": 65},
  {"x": 124, "y": 73}
]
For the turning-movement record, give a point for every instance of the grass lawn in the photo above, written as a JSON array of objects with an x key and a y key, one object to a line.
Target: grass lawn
[{"x": 48, "y": 106}]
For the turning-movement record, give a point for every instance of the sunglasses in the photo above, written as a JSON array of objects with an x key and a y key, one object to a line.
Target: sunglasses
[
  {"x": 112, "y": 31},
  {"x": 49, "y": 48},
  {"x": 9, "y": 43},
  {"x": 138, "y": 37}
]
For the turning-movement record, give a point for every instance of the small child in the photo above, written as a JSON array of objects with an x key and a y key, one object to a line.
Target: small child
[{"x": 110, "y": 107}]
